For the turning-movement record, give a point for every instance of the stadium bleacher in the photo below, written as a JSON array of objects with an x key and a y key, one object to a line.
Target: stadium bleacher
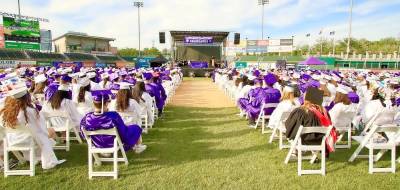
[
  {"x": 80, "y": 56},
  {"x": 107, "y": 58},
  {"x": 6, "y": 54},
  {"x": 45, "y": 56}
]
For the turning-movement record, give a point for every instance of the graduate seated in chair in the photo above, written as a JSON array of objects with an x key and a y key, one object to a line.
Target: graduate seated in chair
[
  {"x": 310, "y": 114},
  {"x": 101, "y": 118},
  {"x": 18, "y": 111}
]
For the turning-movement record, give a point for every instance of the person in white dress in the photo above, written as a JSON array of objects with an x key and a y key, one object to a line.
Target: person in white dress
[
  {"x": 288, "y": 103},
  {"x": 105, "y": 83},
  {"x": 145, "y": 101},
  {"x": 19, "y": 111},
  {"x": 60, "y": 102},
  {"x": 82, "y": 97},
  {"x": 343, "y": 112},
  {"x": 125, "y": 105}
]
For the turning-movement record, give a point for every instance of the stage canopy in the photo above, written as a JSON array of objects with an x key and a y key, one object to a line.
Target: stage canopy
[{"x": 312, "y": 61}]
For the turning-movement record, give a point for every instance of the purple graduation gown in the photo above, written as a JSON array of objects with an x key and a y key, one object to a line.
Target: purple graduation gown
[
  {"x": 129, "y": 134},
  {"x": 257, "y": 96},
  {"x": 157, "y": 91},
  {"x": 272, "y": 95}
]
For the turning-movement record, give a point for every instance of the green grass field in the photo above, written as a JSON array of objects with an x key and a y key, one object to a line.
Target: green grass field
[{"x": 204, "y": 148}]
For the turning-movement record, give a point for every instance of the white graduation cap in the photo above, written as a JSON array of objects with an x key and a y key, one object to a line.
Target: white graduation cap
[
  {"x": 91, "y": 75},
  {"x": 124, "y": 86},
  {"x": 16, "y": 90},
  {"x": 288, "y": 89},
  {"x": 63, "y": 87},
  {"x": 40, "y": 78},
  {"x": 342, "y": 89},
  {"x": 84, "y": 81}
]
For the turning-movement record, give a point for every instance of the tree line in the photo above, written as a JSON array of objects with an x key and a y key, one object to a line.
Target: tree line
[{"x": 357, "y": 46}]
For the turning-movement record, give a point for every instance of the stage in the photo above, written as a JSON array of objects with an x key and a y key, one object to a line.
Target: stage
[{"x": 198, "y": 72}]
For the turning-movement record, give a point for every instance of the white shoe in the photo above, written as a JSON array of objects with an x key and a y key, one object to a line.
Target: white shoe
[
  {"x": 140, "y": 148},
  {"x": 252, "y": 126}
]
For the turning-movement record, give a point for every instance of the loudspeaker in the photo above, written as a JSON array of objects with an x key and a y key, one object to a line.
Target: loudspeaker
[
  {"x": 237, "y": 39},
  {"x": 162, "y": 37}
]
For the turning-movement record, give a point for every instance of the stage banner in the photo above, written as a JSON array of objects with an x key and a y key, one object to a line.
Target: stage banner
[
  {"x": 4, "y": 64},
  {"x": 198, "y": 40},
  {"x": 2, "y": 37},
  {"x": 67, "y": 64},
  {"x": 286, "y": 42},
  {"x": 240, "y": 64}
]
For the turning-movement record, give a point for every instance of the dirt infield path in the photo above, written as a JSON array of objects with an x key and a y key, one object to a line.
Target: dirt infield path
[{"x": 200, "y": 92}]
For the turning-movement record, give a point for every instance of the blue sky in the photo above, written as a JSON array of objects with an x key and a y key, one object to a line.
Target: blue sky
[{"x": 372, "y": 19}]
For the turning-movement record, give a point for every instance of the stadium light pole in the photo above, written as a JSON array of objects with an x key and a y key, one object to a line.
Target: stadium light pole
[
  {"x": 350, "y": 22},
  {"x": 262, "y": 3},
  {"x": 19, "y": 9},
  {"x": 138, "y": 4}
]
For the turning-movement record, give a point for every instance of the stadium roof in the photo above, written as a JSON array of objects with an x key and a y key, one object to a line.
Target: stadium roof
[
  {"x": 84, "y": 35},
  {"x": 218, "y": 36}
]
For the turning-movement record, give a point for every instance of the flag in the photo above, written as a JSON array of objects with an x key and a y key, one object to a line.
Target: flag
[
  {"x": 308, "y": 35},
  {"x": 332, "y": 33}
]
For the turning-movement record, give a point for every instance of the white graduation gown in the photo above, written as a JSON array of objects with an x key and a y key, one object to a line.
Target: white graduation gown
[
  {"x": 67, "y": 106},
  {"x": 341, "y": 114},
  {"x": 133, "y": 110},
  {"x": 370, "y": 109},
  {"x": 146, "y": 107},
  {"x": 283, "y": 106},
  {"x": 37, "y": 127}
]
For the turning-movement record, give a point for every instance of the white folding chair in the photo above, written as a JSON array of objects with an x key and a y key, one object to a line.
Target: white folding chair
[
  {"x": 262, "y": 117},
  {"x": 281, "y": 129},
  {"x": 372, "y": 144},
  {"x": 296, "y": 144},
  {"x": 93, "y": 152},
  {"x": 129, "y": 116},
  {"x": 154, "y": 109},
  {"x": 346, "y": 119},
  {"x": 67, "y": 128},
  {"x": 16, "y": 151},
  {"x": 373, "y": 123}
]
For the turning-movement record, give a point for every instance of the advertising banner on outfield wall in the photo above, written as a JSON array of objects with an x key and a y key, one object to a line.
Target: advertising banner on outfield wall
[
  {"x": 274, "y": 42},
  {"x": 4, "y": 64},
  {"x": 44, "y": 63},
  {"x": 26, "y": 63},
  {"x": 120, "y": 64},
  {"x": 88, "y": 64},
  {"x": 1, "y": 36}
]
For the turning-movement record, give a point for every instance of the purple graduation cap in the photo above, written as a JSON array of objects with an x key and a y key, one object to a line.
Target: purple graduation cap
[
  {"x": 270, "y": 79},
  {"x": 50, "y": 91},
  {"x": 147, "y": 76},
  {"x": 101, "y": 96},
  {"x": 66, "y": 78}
]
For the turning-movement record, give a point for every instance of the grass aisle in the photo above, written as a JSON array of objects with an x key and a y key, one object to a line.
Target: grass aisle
[{"x": 205, "y": 148}]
